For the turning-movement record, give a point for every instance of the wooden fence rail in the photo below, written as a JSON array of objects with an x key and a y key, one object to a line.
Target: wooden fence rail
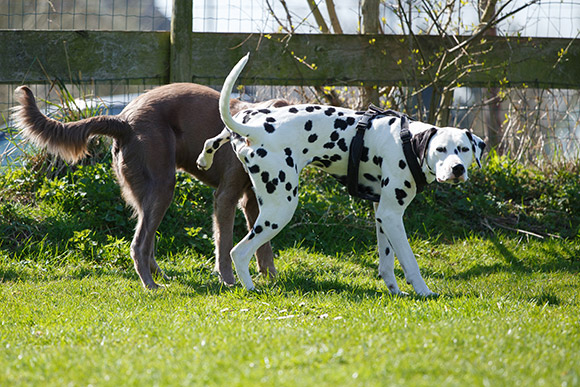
[{"x": 301, "y": 59}]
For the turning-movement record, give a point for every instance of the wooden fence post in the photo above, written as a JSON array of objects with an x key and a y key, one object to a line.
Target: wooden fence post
[
  {"x": 180, "y": 45},
  {"x": 370, "y": 25}
]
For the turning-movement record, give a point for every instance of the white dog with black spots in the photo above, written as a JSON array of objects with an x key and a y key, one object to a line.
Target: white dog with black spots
[{"x": 275, "y": 144}]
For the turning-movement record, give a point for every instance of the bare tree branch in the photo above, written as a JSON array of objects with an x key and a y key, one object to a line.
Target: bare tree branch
[
  {"x": 318, "y": 16},
  {"x": 333, "y": 17}
]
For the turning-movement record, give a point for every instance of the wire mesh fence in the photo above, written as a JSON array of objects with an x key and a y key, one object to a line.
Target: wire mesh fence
[{"x": 529, "y": 123}]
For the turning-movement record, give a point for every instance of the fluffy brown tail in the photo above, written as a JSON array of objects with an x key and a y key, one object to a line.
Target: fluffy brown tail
[{"x": 67, "y": 140}]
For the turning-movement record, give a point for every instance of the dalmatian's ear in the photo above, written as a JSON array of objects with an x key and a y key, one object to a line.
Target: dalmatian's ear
[
  {"x": 477, "y": 146},
  {"x": 420, "y": 143}
]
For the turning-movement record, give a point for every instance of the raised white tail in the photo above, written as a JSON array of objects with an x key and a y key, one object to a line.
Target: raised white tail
[{"x": 225, "y": 97}]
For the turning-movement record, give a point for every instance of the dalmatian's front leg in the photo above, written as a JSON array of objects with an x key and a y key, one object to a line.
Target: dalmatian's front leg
[
  {"x": 386, "y": 258},
  {"x": 394, "y": 229}
]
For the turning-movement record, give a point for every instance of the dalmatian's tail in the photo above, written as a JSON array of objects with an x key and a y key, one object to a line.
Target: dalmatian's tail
[{"x": 233, "y": 125}]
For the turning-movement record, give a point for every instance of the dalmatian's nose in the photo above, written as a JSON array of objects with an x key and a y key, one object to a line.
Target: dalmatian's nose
[{"x": 458, "y": 170}]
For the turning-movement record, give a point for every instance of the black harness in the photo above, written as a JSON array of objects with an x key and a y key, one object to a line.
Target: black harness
[{"x": 357, "y": 145}]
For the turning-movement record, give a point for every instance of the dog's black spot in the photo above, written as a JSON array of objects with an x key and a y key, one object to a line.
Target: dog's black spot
[
  {"x": 246, "y": 118},
  {"x": 267, "y": 223},
  {"x": 288, "y": 186},
  {"x": 274, "y": 226},
  {"x": 265, "y": 176},
  {"x": 384, "y": 182},
  {"x": 387, "y": 251},
  {"x": 260, "y": 201},
  {"x": 216, "y": 144},
  {"x": 365, "y": 189},
  {"x": 334, "y": 136},
  {"x": 335, "y": 157},
  {"x": 329, "y": 145},
  {"x": 350, "y": 121},
  {"x": 379, "y": 220},
  {"x": 310, "y": 109},
  {"x": 295, "y": 191},
  {"x": 293, "y": 110},
  {"x": 317, "y": 107},
  {"x": 289, "y": 198},
  {"x": 407, "y": 184},
  {"x": 270, "y": 187},
  {"x": 378, "y": 160},
  {"x": 381, "y": 230},
  {"x": 329, "y": 111},
  {"x": 209, "y": 151},
  {"x": 342, "y": 145},
  {"x": 290, "y": 161},
  {"x": 254, "y": 113},
  {"x": 261, "y": 152},
  {"x": 282, "y": 176},
  {"x": 258, "y": 229},
  {"x": 364, "y": 157},
  {"x": 269, "y": 127},
  {"x": 392, "y": 121},
  {"x": 400, "y": 194},
  {"x": 254, "y": 169},
  {"x": 340, "y": 114},
  {"x": 252, "y": 235},
  {"x": 341, "y": 124},
  {"x": 288, "y": 151},
  {"x": 270, "y": 119},
  {"x": 246, "y": 160},
  {"x": 264, "y": 111},
  {"x": 402, "y": 164},
  {"x": 369, "y": 177},
  {"x": 308, "y": 126},
  {"x": 305, "y": 150},
  {"x": 312, "y": 137},
  {"x": 320, "y": 162},
  {"x": 275, "y": 181}
]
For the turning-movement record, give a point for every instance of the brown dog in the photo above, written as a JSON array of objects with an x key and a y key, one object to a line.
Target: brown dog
[{"x": 158, "y": 132}]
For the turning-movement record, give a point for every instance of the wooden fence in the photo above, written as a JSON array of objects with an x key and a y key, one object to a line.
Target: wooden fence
[{"x": 301, "y": 59}]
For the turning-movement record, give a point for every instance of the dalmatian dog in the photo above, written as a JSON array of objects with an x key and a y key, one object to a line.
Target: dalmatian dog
[{"x": 275, "y": 144}]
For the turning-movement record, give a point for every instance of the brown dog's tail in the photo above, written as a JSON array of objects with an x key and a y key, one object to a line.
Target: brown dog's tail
[{"x": 67, "y": 140}]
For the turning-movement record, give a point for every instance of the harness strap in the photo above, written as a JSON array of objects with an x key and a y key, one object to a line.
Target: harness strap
[
  {"x": 411, "y": 157},
  {"x": 357, "y": 145},
  {"x": 355, "y": 153}
]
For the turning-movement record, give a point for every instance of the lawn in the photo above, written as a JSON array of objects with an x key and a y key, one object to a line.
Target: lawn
[{"x": 72, "y": 311}]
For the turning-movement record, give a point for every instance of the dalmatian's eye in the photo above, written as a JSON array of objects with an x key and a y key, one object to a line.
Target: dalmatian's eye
[
  {"x": 441, "y": 149},
  {"x": 464, "y": 149}
]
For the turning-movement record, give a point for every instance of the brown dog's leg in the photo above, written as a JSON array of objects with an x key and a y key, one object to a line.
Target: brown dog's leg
[
  {"x": 154, "y": 206},
  {"x": 146, "y": 175},
  {"x": 224, "y": 206},
  {"x": 264, "y": 254}
]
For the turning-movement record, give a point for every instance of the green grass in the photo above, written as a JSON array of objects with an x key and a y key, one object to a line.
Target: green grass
[{"x": 72, "y": 311}]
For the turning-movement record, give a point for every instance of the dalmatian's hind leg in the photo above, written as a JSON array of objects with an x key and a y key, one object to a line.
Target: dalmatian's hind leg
[
  {"x": 276, "y": 211},
  {"x": 210, "y": 147}
]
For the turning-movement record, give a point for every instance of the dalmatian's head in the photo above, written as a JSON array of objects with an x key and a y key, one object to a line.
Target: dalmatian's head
[{"x": 448, "y": 152}]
